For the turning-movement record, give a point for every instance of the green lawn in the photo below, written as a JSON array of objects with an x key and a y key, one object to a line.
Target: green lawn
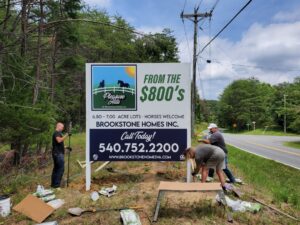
[
  {"x": 268, "y": 132},
  {"x": 292, "y": 144},
  {"x": 276, "y": 180},
  {"x": 268, "y": 176}
]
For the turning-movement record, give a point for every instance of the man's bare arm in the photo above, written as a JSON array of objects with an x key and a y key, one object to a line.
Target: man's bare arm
[
  {"x": 206, "y": 141},
  {"x": 61, "y": 139}
]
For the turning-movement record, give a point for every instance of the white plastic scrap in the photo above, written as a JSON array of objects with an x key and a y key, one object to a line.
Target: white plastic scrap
[
  {"x": 130, "y": 217},
  {"x": 48, "y": 198},
  {"x": 48, "y": 223},
  {"x": 94, "y": 196},
  {"x": 57, "y": 203},
  {"x": 238, "y": 205},
  {"x": 42, "y": 192},
  {"x": 108, "y": 191}
]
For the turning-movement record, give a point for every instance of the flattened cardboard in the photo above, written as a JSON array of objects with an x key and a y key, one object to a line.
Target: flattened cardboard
[
  {"x": 178, "y": 186},
  {"x": 34, "y": 208}
]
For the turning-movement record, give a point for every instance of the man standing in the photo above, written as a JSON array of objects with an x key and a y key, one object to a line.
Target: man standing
[
  {"x": 58, "y": 151},
  {"x": 217, "y": 139}
]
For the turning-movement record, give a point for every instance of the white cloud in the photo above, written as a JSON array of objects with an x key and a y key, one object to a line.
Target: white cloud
[
  {"x": 149, "y": 29},
  {"x": 270, "y": 53},
  {"x": 99, "y": 3},
  {"x": 284, "y": 16}
]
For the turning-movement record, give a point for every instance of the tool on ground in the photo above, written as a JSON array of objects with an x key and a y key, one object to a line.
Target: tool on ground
[
  {"x": 69, "y": 151},
  {"x": 277, "y": 210},
  {"x": 237, "y": 192},
  {"x": 79, "y": 211}
]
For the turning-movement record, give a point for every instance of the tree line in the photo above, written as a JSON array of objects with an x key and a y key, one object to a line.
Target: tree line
[
  {"x": 249, "y": 100},
  {"x": 44, "y": 45}
]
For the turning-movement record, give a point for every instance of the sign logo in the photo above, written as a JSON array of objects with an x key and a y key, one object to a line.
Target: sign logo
[{"x": 113, "y": 87}]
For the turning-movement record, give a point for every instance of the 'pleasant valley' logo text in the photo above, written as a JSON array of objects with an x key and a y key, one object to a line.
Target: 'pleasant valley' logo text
[{"x": 113, "y": 99}]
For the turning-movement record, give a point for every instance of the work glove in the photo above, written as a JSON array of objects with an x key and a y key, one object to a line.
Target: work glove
[{"x": 69, "y": 149}]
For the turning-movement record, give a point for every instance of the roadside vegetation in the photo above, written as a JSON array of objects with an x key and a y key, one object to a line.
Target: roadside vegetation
[
  {"x": 278, "y": 181},
  {"x": 249, "y": 100},
  {"x": 264, "y": 132},
  {"x": 292, "y": 144}
]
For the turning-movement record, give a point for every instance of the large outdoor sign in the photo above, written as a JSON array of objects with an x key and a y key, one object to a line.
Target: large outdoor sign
[{"x": 137, "y": 112}]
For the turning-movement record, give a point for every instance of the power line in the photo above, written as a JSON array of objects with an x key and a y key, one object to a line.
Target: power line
[
  {"x": 184, "y": 5},
  {"x": 252, "y": 66},
  {"x": 199, "y": 3},
  {"x": 214, "y": 6},
  {"x": 187, "y": 40},
  {"x": 230, "y": 21}
]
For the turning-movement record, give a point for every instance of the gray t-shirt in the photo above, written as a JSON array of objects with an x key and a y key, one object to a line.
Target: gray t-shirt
[
  {"x": 204, "y": 153},
  {"x": 218, "y": 140}
]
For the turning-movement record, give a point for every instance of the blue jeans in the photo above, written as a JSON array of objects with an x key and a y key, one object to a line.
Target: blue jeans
[
  {"x": 58, "y": 169},
  {"x": 226, "y": 171}
]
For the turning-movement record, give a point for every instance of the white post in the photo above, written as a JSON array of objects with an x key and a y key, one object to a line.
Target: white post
[
  {"x": 188, "y": 171},
  {"x": 88, "y": 164}
]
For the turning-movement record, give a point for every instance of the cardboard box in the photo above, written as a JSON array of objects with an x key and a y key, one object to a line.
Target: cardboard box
[{"x": 34, "y": 208}]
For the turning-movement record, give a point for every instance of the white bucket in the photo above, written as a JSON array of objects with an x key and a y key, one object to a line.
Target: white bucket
[{"x": 4, "y": 206}]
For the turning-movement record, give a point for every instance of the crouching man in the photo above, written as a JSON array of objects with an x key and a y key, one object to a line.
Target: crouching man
[{"x": 207, "y": 156}]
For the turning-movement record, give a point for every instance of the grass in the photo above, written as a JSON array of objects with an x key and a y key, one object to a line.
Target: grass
[
  {"x": 268, "y": 176},
  {"x": 265, "y": 178},
  {"x": 292, "y": 144},
  {"x": 268, "y": 132}
]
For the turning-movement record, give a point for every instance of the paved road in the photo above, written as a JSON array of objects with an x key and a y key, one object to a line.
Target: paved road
[{"x": 270, "y": 147}]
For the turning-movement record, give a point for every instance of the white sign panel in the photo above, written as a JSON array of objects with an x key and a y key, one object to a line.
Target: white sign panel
[{"x": 137, "y": 112}]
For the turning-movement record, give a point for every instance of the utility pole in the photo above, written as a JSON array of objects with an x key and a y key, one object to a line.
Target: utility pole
[
  {"x": 248, "y": 125},
  {"x": 284, "y": 100},
  {"x": 195, "y": 18},
  {"x": 254, "y": 125}
]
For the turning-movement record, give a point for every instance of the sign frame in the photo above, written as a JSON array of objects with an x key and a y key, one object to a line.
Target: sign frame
[{"x": 140, "y": 67}]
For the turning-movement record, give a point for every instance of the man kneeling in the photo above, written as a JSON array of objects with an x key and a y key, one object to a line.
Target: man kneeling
[{"x": 207, "y": 156}]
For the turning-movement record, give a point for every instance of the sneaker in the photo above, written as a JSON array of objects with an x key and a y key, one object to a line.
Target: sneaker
[
  {"x": 227, "y": 187},
  {"x": 209, "y": 179},
  {"x": 238, "y": 181}
]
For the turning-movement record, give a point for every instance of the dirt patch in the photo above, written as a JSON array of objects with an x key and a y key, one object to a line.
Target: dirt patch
[{"x": 137, "y": 186}]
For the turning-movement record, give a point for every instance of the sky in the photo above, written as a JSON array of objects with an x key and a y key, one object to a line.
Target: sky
[
  {"x": 111, "y": 76},
  {"x": 262, "y": 42}
]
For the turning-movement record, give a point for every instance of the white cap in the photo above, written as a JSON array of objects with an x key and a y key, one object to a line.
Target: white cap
[{"x": 212, "y": 125}]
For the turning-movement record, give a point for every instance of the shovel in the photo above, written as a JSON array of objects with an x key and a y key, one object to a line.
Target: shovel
[{"x": 78, "y": 211}]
